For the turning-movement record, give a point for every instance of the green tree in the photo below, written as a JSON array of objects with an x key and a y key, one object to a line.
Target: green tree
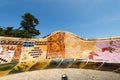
[
  {"x": 2, "y": 31},
  {"x": 28, "y": 25},
  {"x": 8, "y": 32},
  {"x": 26, "y": 30}
]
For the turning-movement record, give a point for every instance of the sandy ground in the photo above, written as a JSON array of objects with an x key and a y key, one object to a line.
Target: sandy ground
[{"x": 55, "y": 74}]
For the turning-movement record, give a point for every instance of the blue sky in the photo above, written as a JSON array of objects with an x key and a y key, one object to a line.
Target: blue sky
[{"x": 86, "y": 18}]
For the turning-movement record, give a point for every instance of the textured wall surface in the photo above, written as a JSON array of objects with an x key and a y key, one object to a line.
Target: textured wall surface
[
  {"x": 58, "y": 50},
  {"x": 108, "y": 49},
  {"x": 59, "y": 45}
]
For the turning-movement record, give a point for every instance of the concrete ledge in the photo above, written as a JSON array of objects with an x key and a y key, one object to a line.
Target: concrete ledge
[{"x": 56, "y": 74}]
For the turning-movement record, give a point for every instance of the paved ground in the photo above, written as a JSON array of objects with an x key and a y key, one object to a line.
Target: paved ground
[{"x": 55, "y": 74}]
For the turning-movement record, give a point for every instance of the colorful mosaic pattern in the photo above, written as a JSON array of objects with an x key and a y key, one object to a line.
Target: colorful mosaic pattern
[
  {"x": 6, "y": 68},
  {"x": 58, "y": 50},
  {"x": 104, "y": 49},
  {"x": 30, "y": 65},
  {"x": 56, "y": 46}
]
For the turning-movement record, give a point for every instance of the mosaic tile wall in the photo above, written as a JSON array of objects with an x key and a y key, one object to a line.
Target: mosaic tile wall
[
  {"x": 59, "y": 45},
  {"x": 33, "y": 64},
  {"x": 16, "y": 49},
  {"x": 107, "y": 49},
  {"x": 56, "y": 46},
  {"x": 58, "y": 50}
]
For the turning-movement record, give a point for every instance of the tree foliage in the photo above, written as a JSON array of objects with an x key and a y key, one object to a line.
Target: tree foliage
[
  {"x": 2, "y": 31},
  {"x": 28, "y": 25},
  {"x": 26, "y": 30}
]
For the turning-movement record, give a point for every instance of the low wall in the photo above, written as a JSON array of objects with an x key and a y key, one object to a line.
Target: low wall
[{"x": 58, "y": 50}]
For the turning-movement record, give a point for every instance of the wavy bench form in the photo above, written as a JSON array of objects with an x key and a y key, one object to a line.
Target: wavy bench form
[
  {"x": 60, "y": 49},
  {"x": 30, "y": 65}
]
